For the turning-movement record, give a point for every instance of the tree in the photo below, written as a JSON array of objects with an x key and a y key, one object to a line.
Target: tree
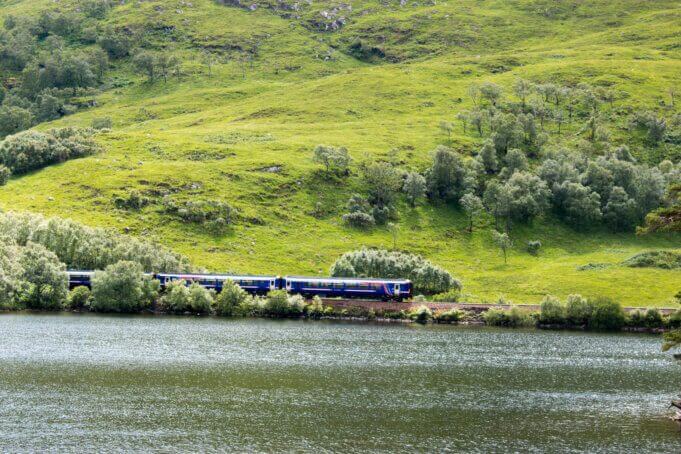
[
  {"x": 508, "y": 132},
  {"x": 116, "y": 44},
  {"x": 599, "y": 179},
  {"x": 394, "y": 230},
  {"x": 5, "y": 174},
  {"x": 119, "y": 288},
  {"x": 649, "y": 187},
  {"x": 515, "y": 161},
  {"x": 414, "y": 187},
  {"x": 529, "y": 196},
  {"x": 447, "y": 127},
  {"x": 503, "y": 242},
  {"x": 14, "y": 119},
  {"x": 497, "y": 200},
  {"x": 383, "y": 181},
  {"x": 48, "y": 284},
  {"x": 578, "y": 205},
  {"x": 522, "y": 88},
  {"x": 488, "y": 157},
  {"x": 145, "y": 62},
  {"x": 209, "y": 60},
  {"x": 463, "y": 118},
  {"x": 200, "y": 299},
  {"x": 332, "y": 158},
  {"x": 472, "y": 205},
  {"x": 477, "y": 118},
  {"x": 491, "y": 92},
  {"x": 446, "y": 177},
  {"x": 620, "y": 211},
  {"x": 176, "y": 297},
  {"x": 229, "y": 299}
]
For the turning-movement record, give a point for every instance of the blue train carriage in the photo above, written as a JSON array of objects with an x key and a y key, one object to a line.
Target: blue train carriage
[
  {"x": 385, "y": 289},
  {"x": 258, "y": 285},
  {"x": 78, "y": 278}
]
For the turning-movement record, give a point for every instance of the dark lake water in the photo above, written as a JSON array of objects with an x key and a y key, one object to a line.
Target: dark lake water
[{"x": 100, "y": 383}]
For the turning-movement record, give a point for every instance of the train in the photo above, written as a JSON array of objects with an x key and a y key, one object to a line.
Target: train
[{"x": 326, "y": 287}]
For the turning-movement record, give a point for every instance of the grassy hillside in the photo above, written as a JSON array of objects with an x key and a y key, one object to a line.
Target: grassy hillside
[{"x": 379, "y": 85}]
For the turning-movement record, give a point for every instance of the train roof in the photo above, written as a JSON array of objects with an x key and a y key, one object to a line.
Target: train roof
[
  {"x": 219, "y": 276},
  {"x": 344, "y": 279}
]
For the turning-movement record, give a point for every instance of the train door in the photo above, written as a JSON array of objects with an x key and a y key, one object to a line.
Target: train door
[
  {"x": 396, "y": 290},
  {"x": 273, "y": 284}
]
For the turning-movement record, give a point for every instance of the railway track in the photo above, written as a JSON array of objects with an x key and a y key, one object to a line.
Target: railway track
[{"x": 406, "y": 305}]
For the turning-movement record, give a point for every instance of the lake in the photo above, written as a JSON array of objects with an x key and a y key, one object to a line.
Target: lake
[{"x": 71, "y": 382}]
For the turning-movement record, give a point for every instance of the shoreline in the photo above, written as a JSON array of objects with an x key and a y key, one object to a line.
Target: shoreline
[{"x": 475, "y": 320}]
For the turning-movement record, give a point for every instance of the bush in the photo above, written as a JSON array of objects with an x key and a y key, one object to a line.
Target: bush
[
  {"x": 655, "y": 259},
  {"x": 79, "y": 298},
  {"x": 674, "y": 320},
  {"x": 513, "y": 318},
  {"x": 426, "y": 277},
  {"x": 607, "y": 315},
  {"x": 11, "y": 284},
  {"x": 280, "y": 304},
  {"x": 5, "y": 173},
  {"x": 451, "y": 296},
  {"x": 81, "y": 247},
  {"x": 120, "y": 288},
  {"x": 48, "y": 283},
  {"x": 578, "y": 310},
  {"x": 552, "y": 311},
  {"x": 212, "y": 213},
  {"x": 200, "y": 299},
  {"x": 32, "y": 150},
  {"x": 450, "y": 316},
  {"x": 636, "y": 318},
  {"x": 230, "y": 299},
  {"x": 176, "y": 297},
  {"x": 102, "y": 123},
  {"x": 421, "y": 314},
  {"x": 316, "y": 309},
  {"x": 533, "y": 247},
  {"x": 653, "y": 319},
  {"x": 359, "y": 220}
]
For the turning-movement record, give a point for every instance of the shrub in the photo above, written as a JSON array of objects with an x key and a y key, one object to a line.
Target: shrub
[
  {"x": 11, "y": 285},
  {"x": 421, "y": 314},
  {"x": 451, "y": 296},
  {"x": 426, "y": 277},
  {"x": 450, "y": 316},
  {"x": 211, "y": 213},
  {"x": 200, "y": 299},
  {"x": 533, "y": 247},
  {"x": 119, "y": 288},
  {"x": 5, "y": 173},
  {"x": 607, "y": 315},
  {"x": 79, "y": 298},
  {"x": 229, "y": 299},
  {"x": 133, "y": 201},
  {"x": 176, "y": 297},
  {"x": 31, "y": 150},
  {"x": 636, "y": 318},
  {"x": 102, "y": 123},
  {"x": 674, "y": 320},
  {"x": 82, "y": 247},
  {"x": 653, "y": 319},
  {"x": 552, "y": 311},
  {"x": 578, "y": 310},
  {"x": 655, "y": 259},
  {"x": 512, "y": 318},
  {"x": 280, "y": 304},
  {"x": 316, "y": 309},
  {"x": 48, "y": 283},
  {"x": 359, "y": 220}
]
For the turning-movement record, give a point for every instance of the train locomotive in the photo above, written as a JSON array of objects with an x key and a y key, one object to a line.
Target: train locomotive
[{"x": 327, "y": 287}]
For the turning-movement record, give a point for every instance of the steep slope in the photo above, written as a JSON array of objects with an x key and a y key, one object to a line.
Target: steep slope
[{"x": 379, "y": 86}]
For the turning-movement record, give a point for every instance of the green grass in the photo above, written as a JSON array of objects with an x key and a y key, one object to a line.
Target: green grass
[{"x": 292, "y": 100}]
